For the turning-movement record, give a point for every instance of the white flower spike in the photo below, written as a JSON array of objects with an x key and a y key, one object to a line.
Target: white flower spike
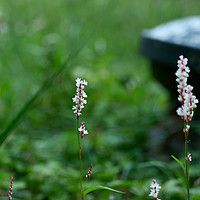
[
  {"x": 186, "y": 97},
  {"x": 79, "y": 97},
  {"x": 155, "y": 188}
]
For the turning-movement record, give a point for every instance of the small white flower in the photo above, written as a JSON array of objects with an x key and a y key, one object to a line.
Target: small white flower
[
  {"x": 85, "y": 132},
  {"x": 189, "y": 157},
  {"x": 187, "y": 128}
]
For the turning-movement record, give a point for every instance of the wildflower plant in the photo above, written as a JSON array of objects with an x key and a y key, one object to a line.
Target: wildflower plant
[
  {"x": 186, "y": 111},
  {"x": 80, "y": 101}
]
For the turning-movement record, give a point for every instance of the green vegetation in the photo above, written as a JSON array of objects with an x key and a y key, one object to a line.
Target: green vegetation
[{"x": 51, "y": 43}]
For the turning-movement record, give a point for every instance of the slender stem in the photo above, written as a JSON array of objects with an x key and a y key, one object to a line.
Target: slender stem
[
  {"x": 187, "y": 164},
  {"x": 80, "y": 159},
  {"x": 81, "y": 172},
  {"x": 78, "y": 134}
]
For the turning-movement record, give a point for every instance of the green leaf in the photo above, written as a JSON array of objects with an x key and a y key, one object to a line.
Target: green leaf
[
  {"x": 178, "y": 161},
  {"x": 99, "y": 187}
]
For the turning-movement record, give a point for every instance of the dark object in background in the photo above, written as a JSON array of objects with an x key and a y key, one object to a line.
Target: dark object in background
[{"x": 164, "y": 44}]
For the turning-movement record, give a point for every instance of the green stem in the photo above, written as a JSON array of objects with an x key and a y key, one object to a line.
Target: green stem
[
  {"x": 81, "y": 173},
  {"x": 187, "y": 163},
  {"x": 79, "y": 154},
  {"x": 78, "y": 134}
]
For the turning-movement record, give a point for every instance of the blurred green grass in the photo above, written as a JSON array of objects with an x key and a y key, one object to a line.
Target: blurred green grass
[{"x": 124, "y": 100}]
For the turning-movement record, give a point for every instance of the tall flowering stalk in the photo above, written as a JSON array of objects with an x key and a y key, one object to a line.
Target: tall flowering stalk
[
  {"x": 186, "y": 111},
  {"x": 79, "y": 101},
  {"x": 155, "y": 188}
]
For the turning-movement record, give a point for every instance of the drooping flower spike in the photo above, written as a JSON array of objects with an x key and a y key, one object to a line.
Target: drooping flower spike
[
  {"x": 10, "y": 191},
  {"x": 186, "y": 97},
  {"x": 155, "y": 188},
  {"x": 89, "y": 172},
  {"x": 79, "y": 97}
]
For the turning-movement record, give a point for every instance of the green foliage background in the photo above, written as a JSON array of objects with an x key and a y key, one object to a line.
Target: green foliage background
[{"x": 101, "y": 41}]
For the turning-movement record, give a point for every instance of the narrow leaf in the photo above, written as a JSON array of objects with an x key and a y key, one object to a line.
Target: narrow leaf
[
  {"x": 179, "y": 162},
  {"x": 99, "y": 187}
]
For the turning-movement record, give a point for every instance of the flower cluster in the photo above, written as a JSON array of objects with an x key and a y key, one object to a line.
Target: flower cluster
[
  {"x": 186, "y": 97},
  {"x": 189, "y": 157},
  {"x": 155, "y": 188},
  {"x": 79, "y": 97},
  {"x": 82, "y": 130},
  {"x": 10, "y": 191},
  {"x": 89, "y": 172}
]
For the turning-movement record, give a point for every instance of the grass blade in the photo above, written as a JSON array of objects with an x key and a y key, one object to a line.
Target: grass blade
[
  {"x": 179, "y": 162},
  {"x": 99, "y": 187}
]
